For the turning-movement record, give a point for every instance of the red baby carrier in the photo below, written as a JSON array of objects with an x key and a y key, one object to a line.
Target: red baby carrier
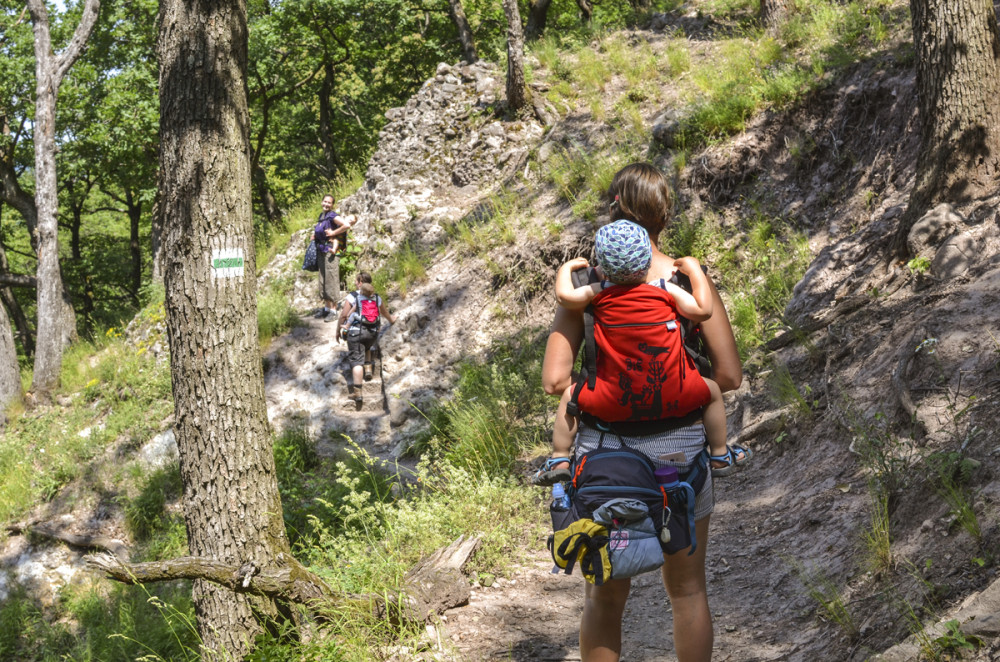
[{"x": 636, "y": 365}]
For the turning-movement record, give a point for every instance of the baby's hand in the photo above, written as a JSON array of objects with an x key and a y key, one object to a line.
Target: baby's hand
[
  {"x": 687, "y": 265},
  {"x": 576, "y": 263}
]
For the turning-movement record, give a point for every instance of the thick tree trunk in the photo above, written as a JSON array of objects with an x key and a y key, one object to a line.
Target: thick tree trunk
[
  {"x": 232, "y": 508},
  {"x": 517, "y": 91},
  {"x": 958, "y": 94},
  {"x": 464, "y": 31},
  {"x": 773, "y": 14},
  {"x": 538, "y": 12},
  {"x": 56, "y": 321}
]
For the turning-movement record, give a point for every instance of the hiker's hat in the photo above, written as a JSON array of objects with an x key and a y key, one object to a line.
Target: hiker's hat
[{"x": 623, "y": 252}]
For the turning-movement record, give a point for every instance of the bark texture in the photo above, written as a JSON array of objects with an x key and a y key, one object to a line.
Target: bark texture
[
  {"x": 10, "y": 374},
  {"x": 773, "y": 13},
  {"x": 517, "y": 91},
  {"x": 232, "y": 508},
  {"x": 958, "y": 94},
  {"x": 56, "y": 322},
  {"x": 464, "y": 31}
]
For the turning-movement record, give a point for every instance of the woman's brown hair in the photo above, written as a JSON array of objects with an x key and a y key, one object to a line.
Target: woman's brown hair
[
  {"x": 640, "y": 193},
  {"x": 365, "y": 284}
]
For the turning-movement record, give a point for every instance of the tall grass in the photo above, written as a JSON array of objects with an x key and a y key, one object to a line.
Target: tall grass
[
  {"x": 275, "y": 314},
  {"x": 404, "y": 268},
  {"x": 118, "y": 392},
  {"x": 755, "y": 264},
  {"x": 120, "y": 624}
]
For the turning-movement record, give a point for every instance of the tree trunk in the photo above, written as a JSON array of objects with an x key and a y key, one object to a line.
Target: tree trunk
[
  {"x": 464, "y": 31},
  {"x": 56, "y": 322},
  {"x": 232, "y": 509},
  {"x": 538, "y": 12},
  {"x": 156, "y": 240},
  {"x": 14, "y": 308},
  {"x": 517, "y": 91},
  {"x": 958, "y": 95},
  {"x": 134, "y": 209},
  {"x": 10, "y": 373},
  {"x": 330, "y": 160},
  {"x": 773, "y": 14},
  {"x": 12, "y": 193},
  {"x": 586, "y": 10},
  {"x": 271, "y": 209}
]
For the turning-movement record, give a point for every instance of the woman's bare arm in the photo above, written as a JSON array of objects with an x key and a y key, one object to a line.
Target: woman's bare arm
[
  {"x": 727, "y": 369},
  {"x": 560, "y": 350}
]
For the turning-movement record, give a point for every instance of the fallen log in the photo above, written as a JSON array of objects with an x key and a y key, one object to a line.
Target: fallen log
[{"x": 434, "y": 585}]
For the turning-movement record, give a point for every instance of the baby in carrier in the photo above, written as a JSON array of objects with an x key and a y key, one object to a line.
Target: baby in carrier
[{"x": 637, "y": 334}]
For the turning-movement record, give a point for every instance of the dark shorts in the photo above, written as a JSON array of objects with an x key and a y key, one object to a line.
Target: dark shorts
[{"x": 359, "y": 339}]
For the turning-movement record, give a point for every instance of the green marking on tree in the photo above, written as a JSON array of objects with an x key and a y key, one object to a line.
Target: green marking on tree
[{"x": 227, "y": 263}]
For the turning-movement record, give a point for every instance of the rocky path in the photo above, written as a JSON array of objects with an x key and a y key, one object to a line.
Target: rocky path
[{"x": 306, "y": 382}]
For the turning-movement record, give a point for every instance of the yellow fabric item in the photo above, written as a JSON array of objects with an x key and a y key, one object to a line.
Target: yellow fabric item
[{"x": 584, "y": 542}]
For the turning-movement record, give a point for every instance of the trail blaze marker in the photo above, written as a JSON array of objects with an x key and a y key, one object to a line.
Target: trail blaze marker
[{"x": 227, "y": 263}]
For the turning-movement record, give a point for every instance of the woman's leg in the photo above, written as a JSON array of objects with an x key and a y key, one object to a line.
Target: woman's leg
[
  {"x": 601, "y": 623},
  {"x": 684, "y": 579}
]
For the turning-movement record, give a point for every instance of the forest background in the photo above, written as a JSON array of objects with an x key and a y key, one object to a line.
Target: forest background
[{"x": 320, "y": 78}]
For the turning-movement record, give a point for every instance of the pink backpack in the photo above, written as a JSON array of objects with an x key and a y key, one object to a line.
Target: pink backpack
[{"x": 367, "y": 311}]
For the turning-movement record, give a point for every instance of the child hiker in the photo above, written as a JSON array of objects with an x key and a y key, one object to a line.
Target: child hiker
[{"x": 624, "y": 254}]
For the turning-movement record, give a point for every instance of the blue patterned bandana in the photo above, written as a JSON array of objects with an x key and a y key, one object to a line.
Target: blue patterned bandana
[{"x": 623, "y": 252}]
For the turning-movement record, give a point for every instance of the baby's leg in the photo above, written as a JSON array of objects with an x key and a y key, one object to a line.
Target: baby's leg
[
  {"x": 556, "y": 468},
  {"x": 714, "y": 418},
  {"x": 335, "y": 245},
  {"x": 564, "y": 431}
]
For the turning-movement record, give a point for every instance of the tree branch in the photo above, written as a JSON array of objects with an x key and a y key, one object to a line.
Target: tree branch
[
  {"x": 432, "y": 586},
  {"x": 17, "y": 280},
  {"x": 80, "y": 36}
]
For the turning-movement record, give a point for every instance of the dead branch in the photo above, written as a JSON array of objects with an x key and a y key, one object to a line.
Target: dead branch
[{"x": 431, "y": 587}]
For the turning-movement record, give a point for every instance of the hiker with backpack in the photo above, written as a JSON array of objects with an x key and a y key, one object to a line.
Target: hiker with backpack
[
  {"x": 647, "y": 374},
  {"x": 330, "y": 235},
  {"x": 640, "y": 193},
  {"x": 359, "y": 322}
]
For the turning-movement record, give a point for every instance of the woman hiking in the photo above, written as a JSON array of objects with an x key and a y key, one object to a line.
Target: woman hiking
[
  {"x": 640, "y": 193},
  {"x": 330, "y": 235}
]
